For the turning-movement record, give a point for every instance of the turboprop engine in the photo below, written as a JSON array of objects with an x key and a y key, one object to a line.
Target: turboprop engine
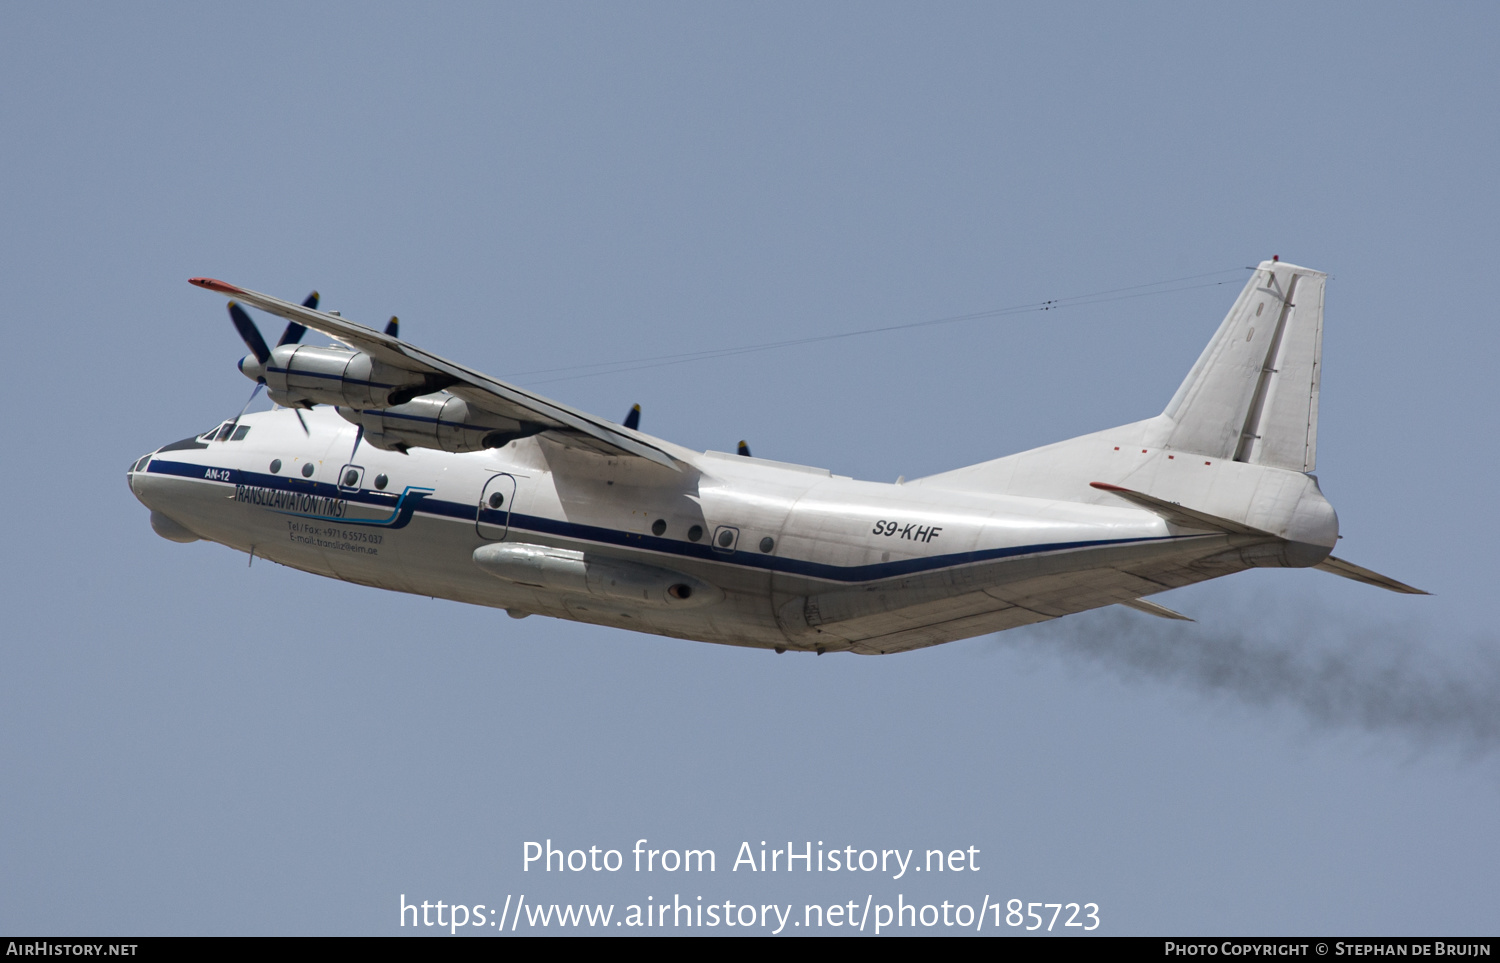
[
  {"x": 395, "y": 408},
  {"x": 299, "y": 376},
  {"x": 438, "y": 420}
]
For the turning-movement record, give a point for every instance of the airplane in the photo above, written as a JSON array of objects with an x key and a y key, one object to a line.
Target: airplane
[{"x": 388, "y": 466}]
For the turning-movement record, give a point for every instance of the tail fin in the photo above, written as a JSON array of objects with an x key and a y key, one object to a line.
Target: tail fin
[{"x": 1253, "y": 394}]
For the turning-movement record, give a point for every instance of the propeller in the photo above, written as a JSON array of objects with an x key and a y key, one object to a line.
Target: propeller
[
  {"x": 251, "y": 335},
  {"x": 744, "y": 449},
  {"x": 633, "y": 419},
  {"x": 294, "y": 331},
  {"x": 253, "y": 392}
]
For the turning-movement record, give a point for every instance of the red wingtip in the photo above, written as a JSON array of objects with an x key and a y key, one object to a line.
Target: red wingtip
[
  {"x": 214, "y": 285},
  {"x": 1107, "y": 487}
]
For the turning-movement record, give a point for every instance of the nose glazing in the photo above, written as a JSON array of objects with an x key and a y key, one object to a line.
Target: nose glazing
[{"x": 137, "y": 466}]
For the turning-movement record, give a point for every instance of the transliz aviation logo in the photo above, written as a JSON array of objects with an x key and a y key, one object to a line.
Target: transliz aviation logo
[{"x": 324, "y": 508}]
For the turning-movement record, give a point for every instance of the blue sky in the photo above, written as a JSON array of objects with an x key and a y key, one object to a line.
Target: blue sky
[{"x": 188, "y": 745}]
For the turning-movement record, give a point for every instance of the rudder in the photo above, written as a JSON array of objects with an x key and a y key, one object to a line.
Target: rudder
[{"x": 1252, "y": 396}]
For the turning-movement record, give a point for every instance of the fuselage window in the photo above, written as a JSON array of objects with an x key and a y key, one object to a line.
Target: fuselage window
[
  {"x": 381, "y": 481},
  {"x": 695, "y": 533},
  {"x": 240, "y": 433},
  {"x": 307, "y": 470},
  {"x": 275, "y": 465},
  {"x": 351, "y": 478}
]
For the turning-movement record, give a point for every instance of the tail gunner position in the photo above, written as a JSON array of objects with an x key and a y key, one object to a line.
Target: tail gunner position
[{"x": 394, "y": 468}]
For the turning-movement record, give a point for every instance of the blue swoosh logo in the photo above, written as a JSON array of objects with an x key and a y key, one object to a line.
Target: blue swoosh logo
[{"x": 399, "y": 517}]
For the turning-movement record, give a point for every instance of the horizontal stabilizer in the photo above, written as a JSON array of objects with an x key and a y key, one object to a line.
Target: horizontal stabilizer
[
  {"x": 1349, "y": 570},
  {"x": 1152, "y": 608},
  {"x": 1177, "y": 515}
]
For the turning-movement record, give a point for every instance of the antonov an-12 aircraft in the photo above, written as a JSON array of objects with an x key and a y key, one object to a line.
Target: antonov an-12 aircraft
[{"x": 391, "y": 467}]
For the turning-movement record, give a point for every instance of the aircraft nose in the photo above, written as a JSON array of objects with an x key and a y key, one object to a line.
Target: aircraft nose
[{"x": 137, "y": 467}]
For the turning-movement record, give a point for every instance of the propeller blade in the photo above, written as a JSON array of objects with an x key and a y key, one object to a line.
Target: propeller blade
[
  {"x": 744, "y": 449},
  {"x": 253, "y": 392},
  {"x": 302, "y": 422},
  {"x": 294, "y": 331},
  {"x": 249, "y": 333},
  {"x": 633, "y": 420},
  {"x": 393, "y": 327},
  {"x": 359, "y": 433}
]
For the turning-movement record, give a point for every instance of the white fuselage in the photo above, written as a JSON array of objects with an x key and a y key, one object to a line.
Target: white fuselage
[
  {"x": 459, "y": 486},
  {"x": 797, "y": 558}
]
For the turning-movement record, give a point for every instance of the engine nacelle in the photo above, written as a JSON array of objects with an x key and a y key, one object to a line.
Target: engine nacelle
[
  {"x": 440, "y": 420},
  {"x": 300, "y": 376}
]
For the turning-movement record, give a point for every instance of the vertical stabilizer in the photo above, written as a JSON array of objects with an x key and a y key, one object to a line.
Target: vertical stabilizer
[{"x": 1253, "y": 394}]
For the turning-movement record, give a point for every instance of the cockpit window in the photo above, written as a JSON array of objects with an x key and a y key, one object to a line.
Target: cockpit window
[
  {"x": 224, "y": 432},
  {"x": 240, "y": 433}
]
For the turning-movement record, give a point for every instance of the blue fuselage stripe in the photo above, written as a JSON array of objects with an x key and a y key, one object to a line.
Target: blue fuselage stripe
[
  {"x": 328, "y": 377},
  {"x": 558, "y": 528}
]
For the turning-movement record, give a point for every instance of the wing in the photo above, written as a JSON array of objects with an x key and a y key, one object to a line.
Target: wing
[
  {"x": 1177, "y": 515},
  {"x": 1156, "y": 609},
  {"x": 1188, "y": 518},
  {"x": 563, "y": 424},
  {"x": 1349, "y": 570}
]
